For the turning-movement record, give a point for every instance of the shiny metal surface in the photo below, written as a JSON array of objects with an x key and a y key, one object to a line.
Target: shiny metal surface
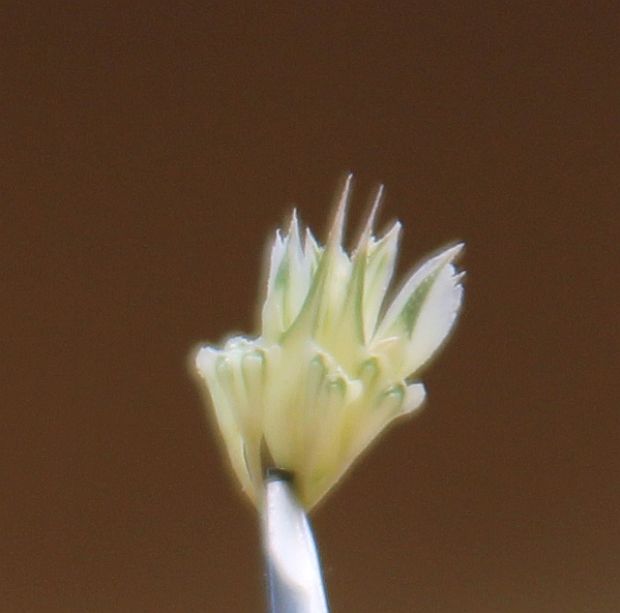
[{"x": 295, "y": 583}]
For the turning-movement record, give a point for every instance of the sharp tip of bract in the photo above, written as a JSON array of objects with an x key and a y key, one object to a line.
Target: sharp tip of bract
[
  {"x": 451, "y": 253},
  {"x": 394, "y": 230},
  {"x": 448, "y": 259},
  {"x": 370, "y": 221},
  {"x": 293, "y": 228},
  {"x": 337, "y": 229},
  {"x": 376, "y": 203},
  {"x": 309, "y": 240}
]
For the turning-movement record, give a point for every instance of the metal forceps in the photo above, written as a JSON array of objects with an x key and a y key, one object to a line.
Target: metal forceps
[{"x": 295, "y": 583}]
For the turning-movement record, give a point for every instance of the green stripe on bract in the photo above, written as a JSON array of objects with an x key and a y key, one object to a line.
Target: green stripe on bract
[
  {"x": 379, "y": 271},
  {"x": 411, "y": 311},
  {"x": 282, "y": 276},
  {"x": 306, "y": 319},
  {"x": 351, "y": 324}
]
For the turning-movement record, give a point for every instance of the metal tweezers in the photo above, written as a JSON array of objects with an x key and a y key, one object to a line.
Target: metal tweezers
[{"x": 294, "y": 581}]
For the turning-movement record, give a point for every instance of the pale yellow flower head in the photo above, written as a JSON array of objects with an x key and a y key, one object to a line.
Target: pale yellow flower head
[{"x": 334, "y": 363}]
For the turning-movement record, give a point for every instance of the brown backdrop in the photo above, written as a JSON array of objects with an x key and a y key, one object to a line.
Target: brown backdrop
[{"x": 148, "y": 151}]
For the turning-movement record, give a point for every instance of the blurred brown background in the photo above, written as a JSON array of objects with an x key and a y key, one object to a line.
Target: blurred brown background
[{"x": 149, "y": 149}]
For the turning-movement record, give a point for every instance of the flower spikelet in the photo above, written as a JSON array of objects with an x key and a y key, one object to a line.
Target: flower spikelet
[{"x": 334, "y": 363}]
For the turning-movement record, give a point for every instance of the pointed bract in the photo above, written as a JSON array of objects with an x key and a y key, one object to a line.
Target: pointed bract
[{"x": 422, "y": 314}]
